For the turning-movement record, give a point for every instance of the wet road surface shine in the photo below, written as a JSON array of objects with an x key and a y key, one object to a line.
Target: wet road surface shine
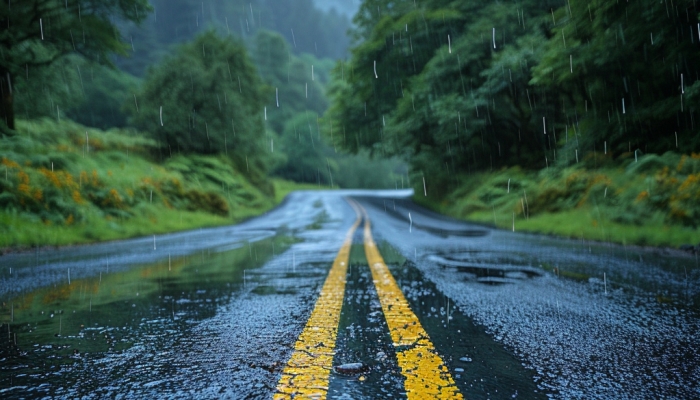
[
  {"x": 216, "y": 313},
  {"x": 426, "y": 374},
  {"x": 307, "y": 372}
]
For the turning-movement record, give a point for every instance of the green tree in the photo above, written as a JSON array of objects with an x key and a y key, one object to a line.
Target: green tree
[
  {"x": 105, "y": 91},
  {"x": 447, "y": 86},
  {"x": 294, "y": 89},
  {"x": 38, "y": 32},
  {"x": 208, "y": 98},
  {"x": 308, "y": 154},
  {"x": 623, "y": 70},
  {"x": 51, "y": 90}
]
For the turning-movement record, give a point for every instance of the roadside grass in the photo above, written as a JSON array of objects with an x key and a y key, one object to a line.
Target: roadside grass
[
  {"x": 654, "y": 200},
  {"x": 283, "y": 187},
  {"x": 63, "y": 183}
]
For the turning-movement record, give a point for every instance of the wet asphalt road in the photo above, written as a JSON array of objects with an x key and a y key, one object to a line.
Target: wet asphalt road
[{"x": 215, "y": 313}]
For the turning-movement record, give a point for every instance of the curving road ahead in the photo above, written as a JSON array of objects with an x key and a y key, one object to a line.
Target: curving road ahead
[{"x": 350, "y": 294}]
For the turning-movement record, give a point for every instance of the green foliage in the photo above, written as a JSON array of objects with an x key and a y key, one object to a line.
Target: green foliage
[
  {"x": 306, "y": 29},
  {"x": 106, "y": 90},
  {"x": 310, "y": 158},
  {"x": 75, "y": 88},
  {"x": 80, "y": 184},
  {"x": 293, "y": 88},
  {"x": 212, "y": 102},
  {"x": 654, "y": 200},
  {"x": 361, "y": 171},
  {"x": 307, "y": 153},
  {"x": 49, "y": 91},
  {"x": 619, "y": 67},
  {"x": 322, "y": 34},
  {"x": 35, "y": 34},
  {"x": 458, "y": 87}
]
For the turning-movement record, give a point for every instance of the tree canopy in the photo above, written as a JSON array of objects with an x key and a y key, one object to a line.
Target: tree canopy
[
  {"x": 454, "y": 87},
  {"x": 38, "y": 32},
  {"x": 206, "y": 98}
]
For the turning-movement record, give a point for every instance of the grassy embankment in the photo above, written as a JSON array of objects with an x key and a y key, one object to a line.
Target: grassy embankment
[
  {"x": 654, "y": 200},
  {"x": 63, "y": 183}
]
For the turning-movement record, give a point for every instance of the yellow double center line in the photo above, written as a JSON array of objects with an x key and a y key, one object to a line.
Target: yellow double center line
[{"x": 307, "y": 372}]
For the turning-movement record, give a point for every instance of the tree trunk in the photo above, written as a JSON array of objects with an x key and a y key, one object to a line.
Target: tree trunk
[{"x": 7, "y": 113}]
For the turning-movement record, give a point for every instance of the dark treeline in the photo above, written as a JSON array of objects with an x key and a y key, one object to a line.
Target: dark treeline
[
  {"x": 308, "y": 29},
  {"x": 460, "y": 86},
  {"x": 53, "y": 53}
]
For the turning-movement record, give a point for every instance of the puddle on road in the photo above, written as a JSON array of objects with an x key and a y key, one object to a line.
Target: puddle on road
[
  {"x": 502, "y": 272},
  {"x": 481, "y": 367},
  {"x": 632, "y": 270},
  {"x": 581, "y": 314},
  {"x": 50, "y": 335}
]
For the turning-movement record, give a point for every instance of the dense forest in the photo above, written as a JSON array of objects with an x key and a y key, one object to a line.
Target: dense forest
[
  {"x": 427, "y": 94},
  {"x": 458, "y": 88},
  {"x": 214, "y": 96},
  {"x": 461, "y": 86},
  {"x": 281, "y": 53}
]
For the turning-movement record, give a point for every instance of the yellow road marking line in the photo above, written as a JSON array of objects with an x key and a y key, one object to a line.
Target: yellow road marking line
[
  {"x": 427, "y": 376},
  {"x": 307, "y": 373}
]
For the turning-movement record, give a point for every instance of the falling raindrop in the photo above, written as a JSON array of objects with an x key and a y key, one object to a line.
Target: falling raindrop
[
  {"x": 544, "y": 127},
  {"x": 605, "y": 283}
]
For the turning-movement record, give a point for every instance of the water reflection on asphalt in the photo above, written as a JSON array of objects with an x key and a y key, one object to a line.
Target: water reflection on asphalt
[
  {"x": 593, "y": 320},
  {"x": 215, "y": 313}
]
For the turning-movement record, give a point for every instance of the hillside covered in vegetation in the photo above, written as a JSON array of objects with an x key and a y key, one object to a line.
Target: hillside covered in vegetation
[
  {"x": 589, "y": 108},
  {"x": 165, "y": 115},
  {"x": 64, "y": 183}
]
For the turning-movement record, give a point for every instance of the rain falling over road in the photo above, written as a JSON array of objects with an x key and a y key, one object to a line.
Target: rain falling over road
[{"x": 219, "y": 312}]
